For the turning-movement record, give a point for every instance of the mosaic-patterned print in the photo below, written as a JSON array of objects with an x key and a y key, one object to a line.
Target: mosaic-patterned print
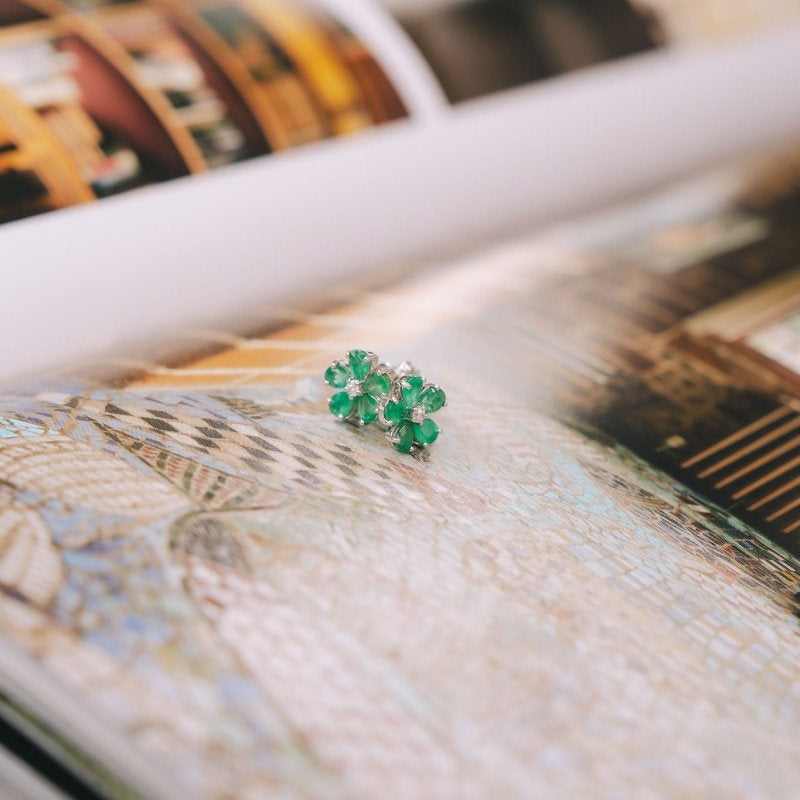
[{"x": 264, "y": 603}]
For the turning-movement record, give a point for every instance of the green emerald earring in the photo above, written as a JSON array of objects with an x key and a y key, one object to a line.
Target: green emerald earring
[
  {"x": 406, "y": 412},
  {"x": 363, "y": 382}
]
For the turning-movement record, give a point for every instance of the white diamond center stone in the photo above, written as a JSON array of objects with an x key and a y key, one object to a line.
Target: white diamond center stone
[
  {"x": 353, "y": 387},
  {"x": 418, "y": 415}
]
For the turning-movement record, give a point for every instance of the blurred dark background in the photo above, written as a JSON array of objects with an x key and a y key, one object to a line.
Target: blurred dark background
[{"x": 481, "y": 46}]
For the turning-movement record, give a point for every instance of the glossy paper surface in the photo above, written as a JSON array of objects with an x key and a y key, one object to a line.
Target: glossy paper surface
[{"x": 259, "y": 601}]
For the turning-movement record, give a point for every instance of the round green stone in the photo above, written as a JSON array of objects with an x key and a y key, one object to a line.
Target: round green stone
[
  {"x": 426, "y": 432},
  {"x": 377, "y": 384},
  {"x": 394, "y": 412},
  {"x": 341, "y": 405},
  {"x": 403, "y": 436},
  {"x": 360, "y": 363},
  {"x": 336, "y": 375},
  {"x": 432, "y": 399},
  {"x": 366, "y": 409},
  {"x": 410, "y": 389}
]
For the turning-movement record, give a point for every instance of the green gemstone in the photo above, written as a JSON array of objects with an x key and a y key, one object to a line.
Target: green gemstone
[
  {"x": 360, "y": 363},
  {"x": 341, "y": 405},
  {"x": 426, "y": 432},
  {"x": 336, "y": 375},
  {"x": 410, "y": 389},
  {"x": 366, "y": 409},
  {"x": 432, "y": 399},
  {"x": 377, "y": 384},
  {"x": 403, "y": 436},
  {"x": 394, "y": 412}
]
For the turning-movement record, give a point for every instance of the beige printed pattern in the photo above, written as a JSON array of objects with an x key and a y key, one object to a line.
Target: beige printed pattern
[
  {"x": 543, "y": 632},
  {"x": 62, "y": 468},
  {"x": 29, "y": 563}
]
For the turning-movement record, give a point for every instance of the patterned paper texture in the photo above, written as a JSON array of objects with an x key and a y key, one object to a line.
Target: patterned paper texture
[{"x": 266, "y": 603}]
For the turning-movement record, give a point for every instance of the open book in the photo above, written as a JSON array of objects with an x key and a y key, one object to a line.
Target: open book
[{"x": 211, "y": 587}]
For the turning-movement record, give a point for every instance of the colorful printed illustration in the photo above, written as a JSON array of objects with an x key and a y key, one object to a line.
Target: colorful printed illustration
[{"x": 99, "y": 97}]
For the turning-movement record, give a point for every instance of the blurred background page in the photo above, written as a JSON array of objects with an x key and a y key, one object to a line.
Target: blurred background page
[{"x": 289, "y": 146}]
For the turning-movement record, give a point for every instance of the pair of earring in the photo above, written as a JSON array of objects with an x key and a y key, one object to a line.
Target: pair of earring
[{"x": 398, "y": 399}]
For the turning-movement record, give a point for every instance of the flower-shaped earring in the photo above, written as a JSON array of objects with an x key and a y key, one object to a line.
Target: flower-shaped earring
[
  {"x": 363, "y": 381},
  {"x": 406, "y": 413}
]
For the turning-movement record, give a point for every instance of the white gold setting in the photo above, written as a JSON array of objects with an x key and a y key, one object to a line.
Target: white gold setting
[{"x": 406, "y": 368}]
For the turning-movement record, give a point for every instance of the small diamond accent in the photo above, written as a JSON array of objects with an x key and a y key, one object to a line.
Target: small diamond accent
[
  {"x": 418, "y": 415},
  {"x": 353, "y": 387}
]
